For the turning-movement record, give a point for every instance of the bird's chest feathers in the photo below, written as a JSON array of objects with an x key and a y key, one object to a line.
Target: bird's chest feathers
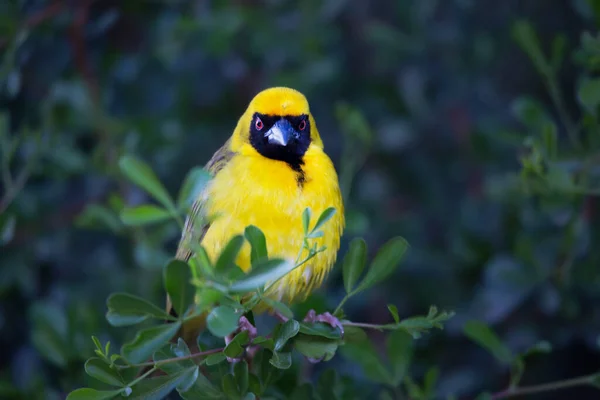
[
  {"x": 257, "y": 191},
  {"x": 267, "y": 194}
]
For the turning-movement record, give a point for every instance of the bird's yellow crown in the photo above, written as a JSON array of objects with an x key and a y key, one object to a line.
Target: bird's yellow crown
[{"x": 275, "y": 101}]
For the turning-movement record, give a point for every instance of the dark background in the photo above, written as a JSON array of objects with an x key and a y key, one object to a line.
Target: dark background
[{"x": 417, "y": 104}]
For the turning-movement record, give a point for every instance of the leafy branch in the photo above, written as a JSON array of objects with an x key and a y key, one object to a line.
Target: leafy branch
[
  {"x": 587, "y": 380},
  {"x": 483, "y": 335},
  {"x": 223, "y": 293}
]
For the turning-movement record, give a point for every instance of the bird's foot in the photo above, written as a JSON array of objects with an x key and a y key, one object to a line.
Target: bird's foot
[
  {"x": 327, "y": 318},
  {"x": 243, "y": 325}
]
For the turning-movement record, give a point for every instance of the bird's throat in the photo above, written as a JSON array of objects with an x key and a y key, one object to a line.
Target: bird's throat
[{"x": 300, "y": 176}]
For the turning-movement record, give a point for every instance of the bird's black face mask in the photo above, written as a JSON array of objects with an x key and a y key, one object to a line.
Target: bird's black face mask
[{"x": 284, "y": 138}]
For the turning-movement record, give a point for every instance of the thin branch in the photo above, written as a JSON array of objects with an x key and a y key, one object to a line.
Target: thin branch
[
  {"x": 370, "y": 326},
  {"x": 12, "y": 192},
  {"x": 80, "y": 53},
  {"x": 44, "y": 14},
  {"x": 172, "y": 360},
  {"x": 17, "y": 185},
  {"x": 339, "y": 307},
  {"x": 586, "y": 380},
  {"x": 559, "y": 104}
]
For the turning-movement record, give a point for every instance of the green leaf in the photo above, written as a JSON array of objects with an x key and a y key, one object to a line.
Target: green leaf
[
  {"x": 97, "y": 368},
  {"x": 234, "y": 348},
  {"x": 306, "y": 220},
  {"x": 315, "y": 235},
  {"x": 287, "y": 331},
  {"x": 226, "y": 260},
  {"x": 324, "y": 217},
  {"x": 8, "y": 222},
  {"x": 142, "y": 175},
  {"x": 320, "y": 329},
  {"x": 98, "y": 216},
  {"x": 180, "y": 349},
  {"x": 216, "y": 358},
  {"x": 529, "y": 111},
  {"x": 303, "y": 392},
  {"x": 188, "y": 367},
  {"x": 316, "y": 347},
  {"x": 126, "y": 309},
  {"x": 281, "y": 360},
  {"x": 327, "y": 385},
  {"x": 399, "y": 351},
  {"x": 258, "y": 243},
  {"x": 230, "y": 387},
  {"x": 264, "y": 272},
  {"x": 159, "y": 387},
  {"x": 353, "y": 334},
  {"x": 172, "y": 350},
  {"x": 415, "y": 326},
  {"x": 279, "y": 306},
  {"x": 177, "y": 279},
  {"x": 483, "y": 335},
  {"x": 431, "y": 378},
  {"x": 365, "y": 355},
  {"x": 49, "y": 333},
  {"x": 529, "y": 42},
  {"x": 202, "y": 389},
  {"x": 595, "y": 381},
  {"x": 144, "y": 215},
  {"x": 394, "y": 311},
  {"x": 222, "y": 321},
  {"x": 354, "y": 263},
  {"x": 589, "y": 94},
  {"x": 240, "y": 371},
  {"x": 559, "y": 45},
  {"x": 266, "y": 343},
  {"x": 190, "y": 380},
  {"x": 541, "y": 347},
  {"x": 147, "y": 341},
  {"x": 207, "y": 298},
  {"x": 92, "y": 394},
  {"x": 384, "y": 263},
  {"x": 193, "y": 185},
  {"x": 550, "y": 139}
]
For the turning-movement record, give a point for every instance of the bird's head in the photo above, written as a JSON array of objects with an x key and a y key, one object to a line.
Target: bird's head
[{"x": 278, "y": 125}]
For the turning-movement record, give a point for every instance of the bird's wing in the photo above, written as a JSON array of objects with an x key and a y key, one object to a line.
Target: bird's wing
[{"x": 195, "y": 224}]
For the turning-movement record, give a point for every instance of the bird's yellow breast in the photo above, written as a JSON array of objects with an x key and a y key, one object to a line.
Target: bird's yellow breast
[{"x": 254, "y": 190}]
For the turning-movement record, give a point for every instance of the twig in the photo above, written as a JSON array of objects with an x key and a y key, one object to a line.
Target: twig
[
  {"x": 13, "y": 187},
  {"x": 370, "y": 326},
  {"x": 172, "y": 360},
  {"x": 50, "y": 11},
  {"x": 12, "y": 191},
  {"x": 339, "y": 307},
  {"x": 557, "y": 99},
  {"x": 77, "y": 36},
  {"x": 546, "y": 387}
]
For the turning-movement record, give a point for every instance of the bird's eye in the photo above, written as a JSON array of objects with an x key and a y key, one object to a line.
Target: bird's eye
[
  {"x": 258, "y": 124},
  {"x": 302, "y": 125}
]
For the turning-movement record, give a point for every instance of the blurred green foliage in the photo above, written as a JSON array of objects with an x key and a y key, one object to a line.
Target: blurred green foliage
[{"x": 471, "y": 130}]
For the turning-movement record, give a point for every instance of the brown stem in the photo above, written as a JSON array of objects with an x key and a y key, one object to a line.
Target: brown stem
[
  {"x": 49, "y": 12},
  {"x": 174, "y": 359},
  {"x": 546, "y": 387}
]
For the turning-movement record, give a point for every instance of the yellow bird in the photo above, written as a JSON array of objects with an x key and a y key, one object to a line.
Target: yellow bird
[{"x": 266, "y": 174}]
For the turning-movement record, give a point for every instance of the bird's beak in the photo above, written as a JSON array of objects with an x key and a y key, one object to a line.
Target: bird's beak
[{"x": 281, "y": 133}]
